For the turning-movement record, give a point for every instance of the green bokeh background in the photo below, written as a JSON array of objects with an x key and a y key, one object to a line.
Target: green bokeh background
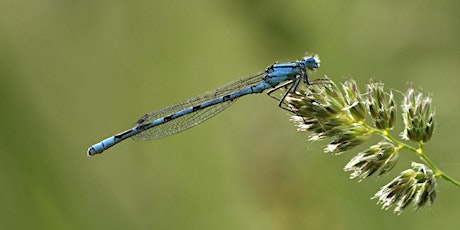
[{"x": 75, "y": 72}]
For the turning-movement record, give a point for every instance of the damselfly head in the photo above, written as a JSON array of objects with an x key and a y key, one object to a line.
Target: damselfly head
[{"x": 311, "y": 62}]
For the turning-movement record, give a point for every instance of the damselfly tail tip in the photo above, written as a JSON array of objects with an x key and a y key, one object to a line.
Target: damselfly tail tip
[{"x": 92, "y": 151}]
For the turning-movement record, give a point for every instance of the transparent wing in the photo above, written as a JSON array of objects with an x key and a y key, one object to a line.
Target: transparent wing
[{"x": 189, "y": 120}]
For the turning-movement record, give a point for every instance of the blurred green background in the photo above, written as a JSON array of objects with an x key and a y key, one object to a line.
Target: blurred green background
[{"x": 75, "y": 72}]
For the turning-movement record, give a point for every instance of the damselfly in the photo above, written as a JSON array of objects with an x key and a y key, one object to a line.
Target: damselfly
[{"x": 193, "y": 111}]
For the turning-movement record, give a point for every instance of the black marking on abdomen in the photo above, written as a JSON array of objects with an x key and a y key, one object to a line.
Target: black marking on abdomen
[
  {"x": 196, "y": 108},
  {"x": 168, "y": 118},
  {"x": 120, "y": 135},
  {"x": 226, "y": 98}
]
